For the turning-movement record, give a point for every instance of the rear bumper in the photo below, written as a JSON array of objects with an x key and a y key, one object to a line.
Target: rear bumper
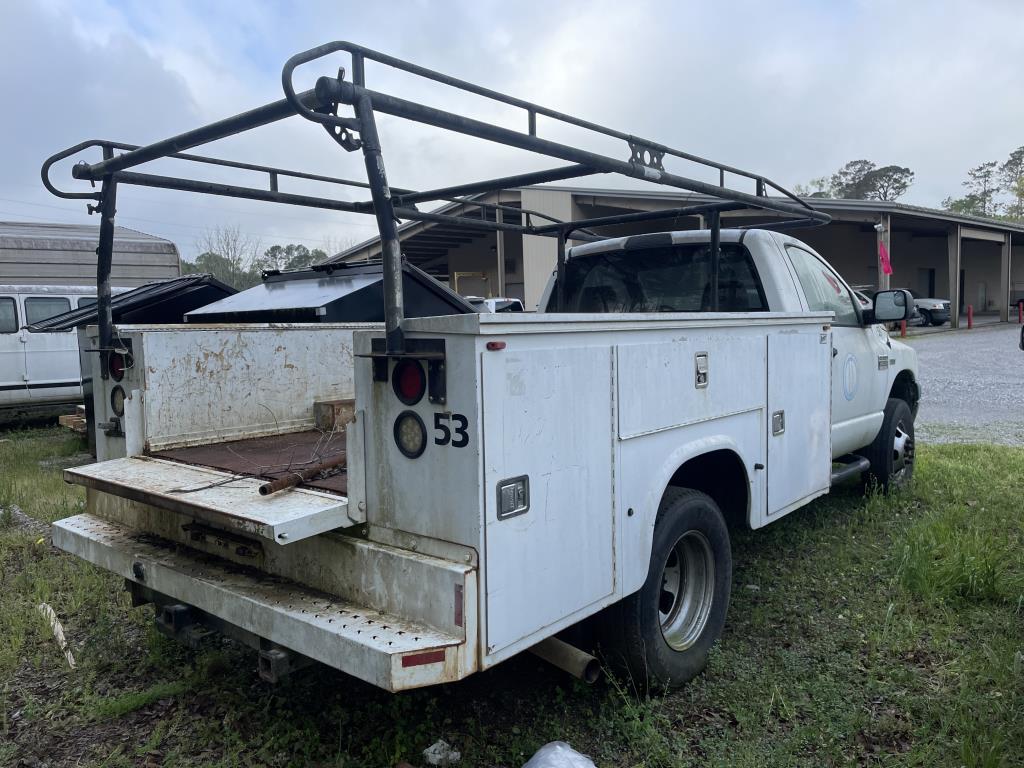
[{"x": 387, "y": 651}]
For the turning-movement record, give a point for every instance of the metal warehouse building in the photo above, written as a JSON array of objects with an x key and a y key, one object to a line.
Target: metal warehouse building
[
  {"x": 966, "y": 259},
  {"x": 65, "y": 254}
]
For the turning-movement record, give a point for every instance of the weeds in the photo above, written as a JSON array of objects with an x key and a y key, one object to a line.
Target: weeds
[
  {"x": 122, "y": 704},
  {"x": 878, "y": 630}
]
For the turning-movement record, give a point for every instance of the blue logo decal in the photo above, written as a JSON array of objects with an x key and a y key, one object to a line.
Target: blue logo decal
[{"x": 850, "y": 377}]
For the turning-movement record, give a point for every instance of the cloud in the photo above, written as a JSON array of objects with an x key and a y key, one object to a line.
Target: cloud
[{"x": 790, "y": 89}]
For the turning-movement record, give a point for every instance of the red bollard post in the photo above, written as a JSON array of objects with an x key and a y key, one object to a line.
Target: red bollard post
[
  {"x": 1020, "y": 313},
  {"x": 970, "y": 316},
  {"x": 903, "y": 329}
]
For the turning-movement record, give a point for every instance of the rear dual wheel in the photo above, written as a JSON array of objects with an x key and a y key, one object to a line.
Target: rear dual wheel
[{"x": 661, "y": 635}]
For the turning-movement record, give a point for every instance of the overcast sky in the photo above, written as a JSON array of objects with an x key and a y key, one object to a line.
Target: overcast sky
[{"x": 788, "y": 89}]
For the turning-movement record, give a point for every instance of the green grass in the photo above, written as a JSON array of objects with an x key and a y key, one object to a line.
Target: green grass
[{"x": 878, "y": 631}]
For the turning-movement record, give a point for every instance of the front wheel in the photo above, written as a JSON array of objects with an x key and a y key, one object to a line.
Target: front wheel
[
  {"x": 662, "y": 634},
  {"x": 893, "y": 451},
  {"x": 926, "y": 317}
]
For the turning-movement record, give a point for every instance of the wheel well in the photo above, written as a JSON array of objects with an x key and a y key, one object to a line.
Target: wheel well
[
  {"x": 721, "y": 475},
  {"x": 905, "y": 388}
]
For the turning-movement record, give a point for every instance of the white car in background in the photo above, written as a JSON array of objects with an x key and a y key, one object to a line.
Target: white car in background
[
  {"x": 932, "y": 311},
  {"x": 495, "y": 304}
]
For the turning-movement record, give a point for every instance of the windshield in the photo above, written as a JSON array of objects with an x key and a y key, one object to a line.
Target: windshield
[{"x": 674, "y": 278}]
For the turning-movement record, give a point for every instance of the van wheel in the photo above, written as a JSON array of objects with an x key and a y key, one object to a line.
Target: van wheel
[
  {"x": 892, "y": 453},
  {"x": 662, "y": 634}
]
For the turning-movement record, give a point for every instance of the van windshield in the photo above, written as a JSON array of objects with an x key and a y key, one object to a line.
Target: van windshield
[{"x": 674, "y": 278}]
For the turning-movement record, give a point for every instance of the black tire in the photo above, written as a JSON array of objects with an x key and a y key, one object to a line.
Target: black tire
[
  {"x": 691, "y": 532},
  {"x": 926, "y": 317},
  {"x": 892, "y": 452},
  {"x": 937, "y": 323}
]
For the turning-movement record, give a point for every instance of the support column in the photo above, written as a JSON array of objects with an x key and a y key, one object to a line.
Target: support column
[
  {"x": 391, "y": 251},
  {"x": 1004, "y": 279},
  {"x": 540, "y": 254},
  {"x": 500, "y": 249},
  {"x": 953, "y": 252},
  {"x": 104, "y": 263},
  {"x": 883, "y": 237}
]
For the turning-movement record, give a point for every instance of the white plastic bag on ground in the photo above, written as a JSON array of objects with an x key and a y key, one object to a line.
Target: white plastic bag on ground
[{"x": 558, "y": 754}]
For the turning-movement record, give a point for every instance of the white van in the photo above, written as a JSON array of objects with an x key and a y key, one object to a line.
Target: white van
[{"x": 38, "y": 371}]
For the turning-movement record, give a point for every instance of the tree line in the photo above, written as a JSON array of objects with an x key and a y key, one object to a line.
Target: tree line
[
  {"x": 232, "y": 257},
  {"x": 991, "y": 189}
]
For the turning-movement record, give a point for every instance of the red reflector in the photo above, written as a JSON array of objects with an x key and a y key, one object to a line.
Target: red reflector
[
  {"x": 115, "y": 364},
  {"x": 409, "y": 381},
  {"x": 494, "y": 346},
  {"x": 419, "y": 659}
]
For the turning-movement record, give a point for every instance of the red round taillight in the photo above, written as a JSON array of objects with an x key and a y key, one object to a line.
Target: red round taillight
[
  {"x": 116, "y": 366},
  {"x": 409, "y": 381}
]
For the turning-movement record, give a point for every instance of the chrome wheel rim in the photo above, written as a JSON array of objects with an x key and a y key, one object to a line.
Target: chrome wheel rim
[
  {"x": 902, "y": 453},
  {"x": 687, "y": 590}
]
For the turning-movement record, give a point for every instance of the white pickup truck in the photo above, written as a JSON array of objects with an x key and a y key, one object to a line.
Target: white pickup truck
[
  {"x": 481, "y": 481},
  {"x": 566, "y": 464}
]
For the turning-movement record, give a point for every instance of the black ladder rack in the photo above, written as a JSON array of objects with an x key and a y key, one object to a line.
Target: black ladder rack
[{"x": 322, "y": 105}]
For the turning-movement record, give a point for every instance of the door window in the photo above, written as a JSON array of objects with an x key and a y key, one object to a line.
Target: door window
[
  {"x": 86, "y": 301},
  {"x": 39, "y": 308},
  {"x": 824, "y": 290},
  {"x": 8, "y": 315}
]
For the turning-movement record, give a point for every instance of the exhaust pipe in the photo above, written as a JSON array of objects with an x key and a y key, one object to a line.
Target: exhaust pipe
[{"x": 568, "y": 658}]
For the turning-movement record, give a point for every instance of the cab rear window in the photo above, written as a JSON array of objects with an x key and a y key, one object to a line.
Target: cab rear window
[
  {"x": 8, "y": 315},
  {"x": 674, "y": 278}
]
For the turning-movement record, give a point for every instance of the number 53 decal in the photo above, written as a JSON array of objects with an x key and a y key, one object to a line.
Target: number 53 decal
[{"x": 456, "y": 435}]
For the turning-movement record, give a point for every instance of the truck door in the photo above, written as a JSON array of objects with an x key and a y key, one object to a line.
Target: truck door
[
  {"x": 51, "y": 359},
  {"x": 799, "y": 460},
  {"x": 12, "y": 352},
  {"x": 856, "y": 401}
]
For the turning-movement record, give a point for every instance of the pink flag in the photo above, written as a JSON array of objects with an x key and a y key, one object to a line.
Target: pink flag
[{"x": 883, "y": 256}]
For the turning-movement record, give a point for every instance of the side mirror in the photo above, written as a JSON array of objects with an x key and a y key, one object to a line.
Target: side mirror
[{"x": 892, "y": 306}]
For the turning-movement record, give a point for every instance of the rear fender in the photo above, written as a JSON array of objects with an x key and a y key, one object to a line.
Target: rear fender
[{"x": 633, "y": 580}]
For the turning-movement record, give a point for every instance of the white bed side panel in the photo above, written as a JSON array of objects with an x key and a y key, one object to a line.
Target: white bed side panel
[
  {"x": 659, "y": 387},
  {"x": 204, "y": 385},
  {"x": 549, "y": 416}
]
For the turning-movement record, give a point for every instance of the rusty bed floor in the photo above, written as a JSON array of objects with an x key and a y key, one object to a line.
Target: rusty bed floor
[{"x": 270, "y": 457}]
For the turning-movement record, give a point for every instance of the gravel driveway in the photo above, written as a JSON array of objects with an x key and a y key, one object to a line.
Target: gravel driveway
[{"x": 972, "y": 386}]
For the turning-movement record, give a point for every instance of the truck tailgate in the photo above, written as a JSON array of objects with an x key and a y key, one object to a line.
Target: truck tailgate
[{"x": 216, "y": 496}]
